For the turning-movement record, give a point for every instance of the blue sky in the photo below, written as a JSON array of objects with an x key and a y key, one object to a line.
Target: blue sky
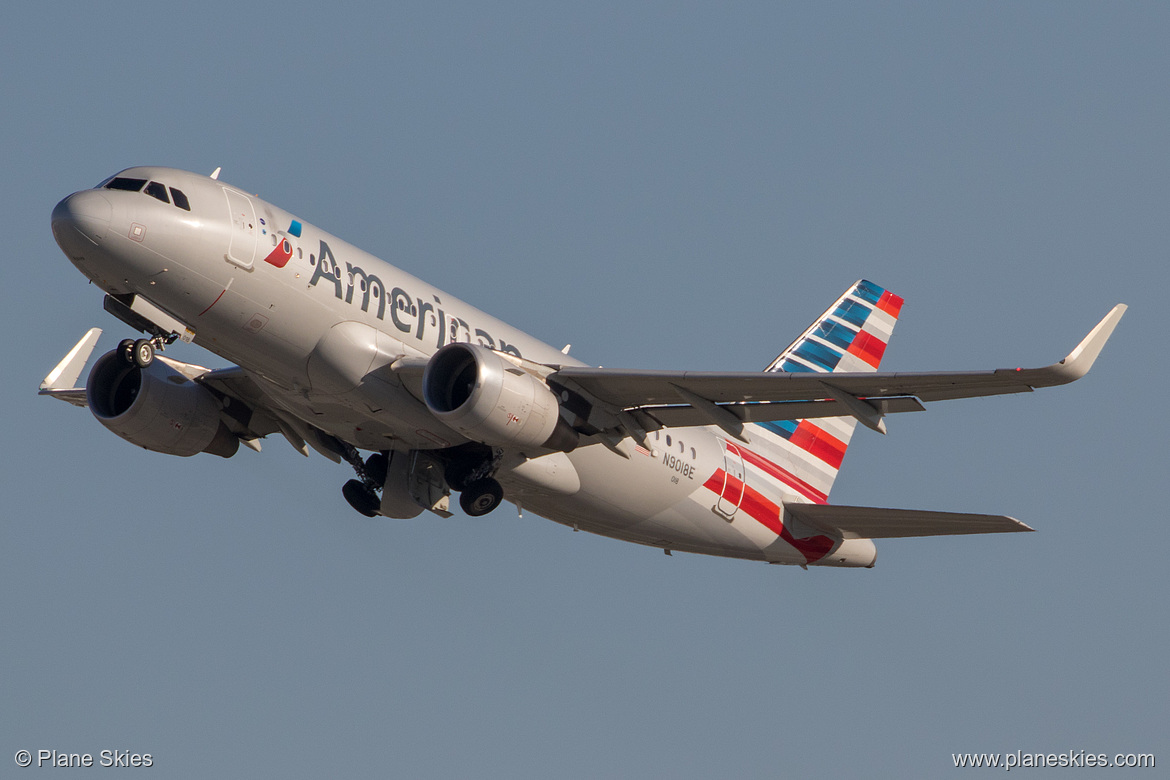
[{"x": 665, "y": 186}]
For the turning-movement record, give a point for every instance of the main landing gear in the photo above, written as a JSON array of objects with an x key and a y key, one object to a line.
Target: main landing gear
[
  {"x": 361, "y": 497},
  {"x": 478, "y": 492},
  {"x": 362, "y": 493},
  {"x": 467, "y": 473},
  {"x": 481, "y": 496}
]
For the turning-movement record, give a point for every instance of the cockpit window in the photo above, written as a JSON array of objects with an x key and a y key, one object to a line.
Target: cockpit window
[
  {"x": 120, "y": 183},
  {"x": 156, "y": 190}
]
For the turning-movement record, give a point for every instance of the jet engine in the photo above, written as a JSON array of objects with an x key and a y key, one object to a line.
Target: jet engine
[
  {"x": 489, "y": 399},
  {"x": 157, "y": 408}
]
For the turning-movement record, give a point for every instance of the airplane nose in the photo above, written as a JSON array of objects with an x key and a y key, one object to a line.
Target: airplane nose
[{"x": 86, "y": 213}]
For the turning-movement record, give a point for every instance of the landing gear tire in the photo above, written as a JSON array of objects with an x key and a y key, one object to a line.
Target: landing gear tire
[
  {"x": 481, "y": 497},
  {"x": 376, "y": 466},
  {"x": 361, "y": 497},
  {"x": 126, "y": 350},
  {"x": 143, "y": 353}
]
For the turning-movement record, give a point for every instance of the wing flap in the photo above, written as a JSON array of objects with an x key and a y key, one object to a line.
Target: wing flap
[
  {"x": 683, "y": 416},
  {"x": 866, "y": 522},
  {"x": 259, "y": 419}
]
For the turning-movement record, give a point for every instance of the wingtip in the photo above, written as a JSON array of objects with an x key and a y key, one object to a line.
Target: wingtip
[
  {"x": 64, "y": 375},
  {"x": 1081, "y": 359},
  {"x": 1022, "y": 526}
]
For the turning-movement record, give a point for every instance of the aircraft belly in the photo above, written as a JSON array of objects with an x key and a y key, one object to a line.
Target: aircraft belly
[
  {"x": 670, "y": 530},
  {"x": 644, "y": 500},
  {"x": 264, "y": 337}
]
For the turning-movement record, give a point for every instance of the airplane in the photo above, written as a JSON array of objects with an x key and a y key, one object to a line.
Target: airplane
[{"x": 342, "y": 353}]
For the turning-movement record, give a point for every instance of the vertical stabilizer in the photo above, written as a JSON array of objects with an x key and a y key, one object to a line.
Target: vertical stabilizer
[{"x": 851, "y": 336}]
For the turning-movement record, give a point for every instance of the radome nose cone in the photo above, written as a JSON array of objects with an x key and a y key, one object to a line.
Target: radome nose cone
[{"x": 87, "y": 212}]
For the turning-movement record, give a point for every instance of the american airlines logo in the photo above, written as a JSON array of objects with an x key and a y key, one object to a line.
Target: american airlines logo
[{"x": 410, "y": 314}]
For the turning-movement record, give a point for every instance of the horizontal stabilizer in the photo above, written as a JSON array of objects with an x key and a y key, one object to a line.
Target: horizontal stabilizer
[{"x": 866, "y": 522}]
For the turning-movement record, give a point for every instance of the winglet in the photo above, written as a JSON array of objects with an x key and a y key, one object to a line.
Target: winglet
[
  {"x": 1081, "y": 359},
  {"x": 65, "y": 375}
]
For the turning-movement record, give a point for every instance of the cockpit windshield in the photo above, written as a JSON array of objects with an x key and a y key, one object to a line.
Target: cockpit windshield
[
  {"x": 157, "y": 191},
  {"x": 153, "y": 189},
  {"x": 120, "y": 183}
]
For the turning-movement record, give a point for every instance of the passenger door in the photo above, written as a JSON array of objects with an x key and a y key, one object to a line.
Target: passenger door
[
  {"x": 242, "y": 244},
  {"x": 734, "y": 482}
]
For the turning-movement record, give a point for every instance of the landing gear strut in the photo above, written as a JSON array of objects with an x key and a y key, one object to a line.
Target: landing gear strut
[
  {"x": 459, "y": 473},
  {"x": 362, "y": 493},
  {"x": 375, "y": 467}
]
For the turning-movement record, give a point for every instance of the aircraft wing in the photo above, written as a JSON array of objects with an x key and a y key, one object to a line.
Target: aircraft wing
[{"x": 705, "y": 397}]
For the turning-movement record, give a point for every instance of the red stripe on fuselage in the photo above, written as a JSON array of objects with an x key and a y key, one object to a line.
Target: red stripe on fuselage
[
  {"x": 767, "y": 513},
  {"x": 786, "y": 477}
]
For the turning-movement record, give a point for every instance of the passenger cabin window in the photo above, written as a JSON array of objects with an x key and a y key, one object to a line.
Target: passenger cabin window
[
  {"x": 180, "y": 199},
  {"x": 156, "y": 190},
  {"x": 131, "y": 185}
]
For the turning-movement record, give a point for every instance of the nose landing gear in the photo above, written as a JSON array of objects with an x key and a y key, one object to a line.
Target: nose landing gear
[{"x": 140, "y": 352}]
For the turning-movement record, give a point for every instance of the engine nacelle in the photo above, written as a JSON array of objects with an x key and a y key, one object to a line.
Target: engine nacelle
[
  {"x": 157, "y": 408},
  {"x": 489, "y": 399}
]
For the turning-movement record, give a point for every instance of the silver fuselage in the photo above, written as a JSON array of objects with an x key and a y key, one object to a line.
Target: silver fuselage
[{"x": 213, "y": 267}]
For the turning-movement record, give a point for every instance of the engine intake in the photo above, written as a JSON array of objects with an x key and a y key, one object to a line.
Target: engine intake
[
  {"x": 489, "y": 399},
  {"x": 157, "y": 408}
]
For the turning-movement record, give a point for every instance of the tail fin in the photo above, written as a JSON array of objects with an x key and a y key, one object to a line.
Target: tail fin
[{"x": 850, "y": 336}]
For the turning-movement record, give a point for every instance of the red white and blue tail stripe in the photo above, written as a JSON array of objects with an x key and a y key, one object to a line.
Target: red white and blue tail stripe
[{"x": 851, "y": 336}]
